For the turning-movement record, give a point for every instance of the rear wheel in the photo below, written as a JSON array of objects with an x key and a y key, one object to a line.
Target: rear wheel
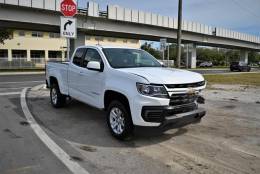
[
  {"x": 119, "y": 120},
  {"x": 57, "y": 99}
]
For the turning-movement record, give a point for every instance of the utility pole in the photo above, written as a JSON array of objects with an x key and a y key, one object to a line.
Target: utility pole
[{"x": 179, "y": 35}]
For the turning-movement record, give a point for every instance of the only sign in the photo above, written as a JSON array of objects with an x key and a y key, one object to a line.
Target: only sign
[{"x": 68, "y": 8}]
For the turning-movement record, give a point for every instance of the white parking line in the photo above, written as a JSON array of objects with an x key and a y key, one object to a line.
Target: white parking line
[
  {"x": 20, "y": 82},
  {"x": 9, "y": 93},
  {"x": 74, "y": 167}
]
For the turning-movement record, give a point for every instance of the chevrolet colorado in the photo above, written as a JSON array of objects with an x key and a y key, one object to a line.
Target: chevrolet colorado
[{"x": 130, "y": 84}]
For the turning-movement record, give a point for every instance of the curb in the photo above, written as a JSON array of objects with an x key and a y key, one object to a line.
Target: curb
[{"x": 20, "y": 73}]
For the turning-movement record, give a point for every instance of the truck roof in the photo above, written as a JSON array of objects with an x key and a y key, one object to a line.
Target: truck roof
[{"x": 106, "y": 46}]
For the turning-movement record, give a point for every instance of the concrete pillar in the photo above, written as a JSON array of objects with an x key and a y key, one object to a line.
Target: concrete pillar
[
  {"x": 244, "y": 56},
  {"x": 192, "y": 56},
  {"x": 79, "y": 41},
  {"x": 46, "y": 53},
  {"x": 28, "y": 54},
  {"x": 10, "y": 57},
  {"x": 63, "y": 56},
  {"x": 187, "y": 52}
]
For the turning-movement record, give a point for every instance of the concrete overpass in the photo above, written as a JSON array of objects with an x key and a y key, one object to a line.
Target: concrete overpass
[{"x": 116, "y": 21}]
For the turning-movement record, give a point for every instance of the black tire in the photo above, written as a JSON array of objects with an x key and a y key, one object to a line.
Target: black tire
[
  {"x": 127, "y": 128},
  {"x": 60, "y": 99}
]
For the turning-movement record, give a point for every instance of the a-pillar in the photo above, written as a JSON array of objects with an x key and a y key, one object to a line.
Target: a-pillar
[
  {"x": 28, "y": 54},
  {"x": 244, "y": 56},
  {"x": 10, "y": 57},
  {"x": 192, "y": 56},
  {"x": 79, "y": 41}
]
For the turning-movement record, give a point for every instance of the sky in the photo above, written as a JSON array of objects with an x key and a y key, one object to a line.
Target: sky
[{"x": 237, "y": 15}]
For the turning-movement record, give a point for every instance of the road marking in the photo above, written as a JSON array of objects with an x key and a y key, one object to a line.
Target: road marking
[
  {"x": 20, "y": 73},
  {"x": 9, "y": 93},
  {"x": 74, "y": 167},
  {"x": 21, "y": 82}
]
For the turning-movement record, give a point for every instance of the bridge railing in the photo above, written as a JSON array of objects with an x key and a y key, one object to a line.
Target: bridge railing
[
  {"x": 92, "y": 9},
  {"x": 118, "y": 13}
]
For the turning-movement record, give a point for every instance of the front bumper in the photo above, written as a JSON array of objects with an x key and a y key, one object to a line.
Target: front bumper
[
  {"x": 183, "y": 119},
  {"x": 168, "y": 117}
]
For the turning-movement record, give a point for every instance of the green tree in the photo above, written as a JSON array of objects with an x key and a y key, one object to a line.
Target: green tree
[
  {"x": 253, "y": 57},
  {"x": 148, "y": 47},
  {"x": 4, "y": 35}
]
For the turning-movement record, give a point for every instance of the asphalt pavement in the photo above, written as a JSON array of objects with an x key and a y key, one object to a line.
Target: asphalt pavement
[
  {"x": 226, "y": 141},
  {"x": 219, "y": 71},
  {"x": 21, "y": 151}
]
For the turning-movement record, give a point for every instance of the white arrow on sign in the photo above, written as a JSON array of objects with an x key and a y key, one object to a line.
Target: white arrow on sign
[{"x": 68, "y": 27}]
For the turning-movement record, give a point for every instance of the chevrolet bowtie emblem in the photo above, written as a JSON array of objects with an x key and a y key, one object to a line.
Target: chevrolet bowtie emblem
[{"x": 191, "y": 91}]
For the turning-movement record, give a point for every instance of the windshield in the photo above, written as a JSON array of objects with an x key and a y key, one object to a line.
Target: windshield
[{"x": 129, "y": 58}]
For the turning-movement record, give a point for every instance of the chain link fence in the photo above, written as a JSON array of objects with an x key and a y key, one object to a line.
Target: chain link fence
[{"x": 22, "y": 63}]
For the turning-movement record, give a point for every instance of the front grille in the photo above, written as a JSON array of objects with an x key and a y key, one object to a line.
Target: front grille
[
  {"x": 180, "y": 99},
  {"x": 187, "y": 85}
]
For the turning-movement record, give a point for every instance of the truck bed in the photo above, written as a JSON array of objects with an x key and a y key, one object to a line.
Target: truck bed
[{"x": 58, "y": 70}]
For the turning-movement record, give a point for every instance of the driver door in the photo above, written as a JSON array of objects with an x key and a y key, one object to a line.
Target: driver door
[{"x": 92, "y": 82}]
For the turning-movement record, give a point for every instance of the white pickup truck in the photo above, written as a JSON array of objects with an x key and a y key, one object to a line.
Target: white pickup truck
[{"x": 131, "y": 85}]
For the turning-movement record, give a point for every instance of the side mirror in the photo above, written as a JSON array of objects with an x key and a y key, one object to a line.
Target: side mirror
[
  {"x": 162, "y": 64},
  {"x": 94, "y": 65}
]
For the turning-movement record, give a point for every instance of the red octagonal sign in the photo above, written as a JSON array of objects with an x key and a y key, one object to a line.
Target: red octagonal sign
[{"x": 68, "y": 8}]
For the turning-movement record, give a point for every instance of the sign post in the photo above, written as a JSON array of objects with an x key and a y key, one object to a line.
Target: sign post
[
  {"x": 163, "y": 42},
  {"x": 68, "y": 24}
]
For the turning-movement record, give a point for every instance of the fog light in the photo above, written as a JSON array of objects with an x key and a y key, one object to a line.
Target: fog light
[{"x": 201, "y": 100}]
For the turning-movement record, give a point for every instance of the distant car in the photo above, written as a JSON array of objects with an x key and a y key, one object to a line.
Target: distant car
[
  {"x": 239, "y": 66},
  {"x": 206, "y": 64}
]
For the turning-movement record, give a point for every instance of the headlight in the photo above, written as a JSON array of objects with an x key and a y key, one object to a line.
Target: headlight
[{"x": 152, "y": 90}]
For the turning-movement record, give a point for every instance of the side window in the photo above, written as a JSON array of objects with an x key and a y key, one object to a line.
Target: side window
[
  {"x": 78, "y": 57},
  {"x": 91, "y": 55}
]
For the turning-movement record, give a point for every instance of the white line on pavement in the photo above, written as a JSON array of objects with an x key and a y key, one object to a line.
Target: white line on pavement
[
  {"x": 74, "y": 167},
  {"x": 20, "y": 82},
  {"x": 9, "y": 93},
  {"x": 20, "y": 73}
]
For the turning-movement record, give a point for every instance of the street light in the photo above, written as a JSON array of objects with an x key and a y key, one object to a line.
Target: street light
[{"x": 179, "y": 35}]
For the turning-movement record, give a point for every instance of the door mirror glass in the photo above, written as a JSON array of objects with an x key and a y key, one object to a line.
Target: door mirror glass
[{"x": 94, "y": 65}]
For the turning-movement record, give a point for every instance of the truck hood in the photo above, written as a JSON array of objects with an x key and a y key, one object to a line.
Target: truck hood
[{"x": 160, "y": 75}]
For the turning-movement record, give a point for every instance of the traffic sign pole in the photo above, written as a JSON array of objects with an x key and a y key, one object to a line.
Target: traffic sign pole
[
  {"x": 68, "y": 27},
  {"x": 68, "y": 49}
]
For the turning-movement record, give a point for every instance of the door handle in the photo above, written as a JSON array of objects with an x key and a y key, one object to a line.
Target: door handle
[{"x": 81, "y": 73}]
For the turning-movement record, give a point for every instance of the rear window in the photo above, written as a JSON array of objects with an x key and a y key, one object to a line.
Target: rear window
[
  {"x": 243, "y": 64},
  {"x": 78, "y": 57},
  {"x": 234, "y": 63}
]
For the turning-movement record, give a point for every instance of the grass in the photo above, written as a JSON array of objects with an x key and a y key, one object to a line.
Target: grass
[{"x": 233, "y": 79}]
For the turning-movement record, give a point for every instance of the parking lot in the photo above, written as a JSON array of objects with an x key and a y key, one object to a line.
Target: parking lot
[{"x": 225, "y": 141}]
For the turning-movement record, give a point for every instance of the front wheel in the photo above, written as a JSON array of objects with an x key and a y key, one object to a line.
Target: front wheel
[
  {"x": 57, "y": 99},
  {"x": 119, "y": 120}
]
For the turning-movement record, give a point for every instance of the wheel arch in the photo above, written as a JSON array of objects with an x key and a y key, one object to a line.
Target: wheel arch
[
  {"x": 111, "y": 95},
  {"x": 53, "y": 80}
]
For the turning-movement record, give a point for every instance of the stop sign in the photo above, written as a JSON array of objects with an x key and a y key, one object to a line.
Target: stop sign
[{"x": 68, "y": 8}]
